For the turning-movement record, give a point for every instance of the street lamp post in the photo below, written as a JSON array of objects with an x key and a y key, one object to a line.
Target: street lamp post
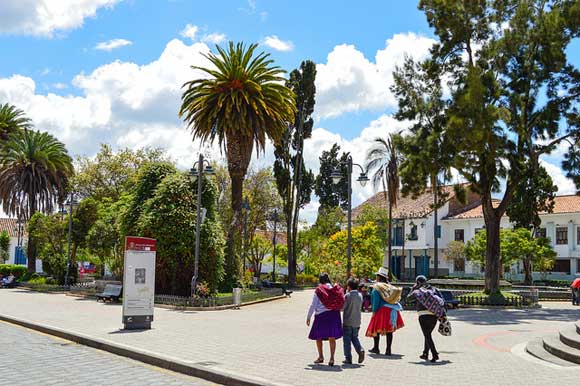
[
  {"x": 275, "y": 218},
  {"x": 199, "y": 168},
  {"x": 70, "y": 203},
  {"x": 336, "y": 176},
  {"x": 246, "y": 208}
]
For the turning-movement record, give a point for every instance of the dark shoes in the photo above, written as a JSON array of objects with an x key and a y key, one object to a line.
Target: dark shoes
[
  {"x": 361, "y": 356},
  {"x": 388, "y": 353},
  {"x": 374, "y": 350},
  {"x": 345, "y": 362},
  {"x": 435, "y": 358},
  {"x": 424, "y": 356}
]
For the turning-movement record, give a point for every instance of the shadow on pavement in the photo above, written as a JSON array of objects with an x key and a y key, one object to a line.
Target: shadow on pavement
[
  {"x": 427, "y": 363},
  {"x": 121, "y": 331},
  {"x": 325, "y": 368},
  {"x": 388, "y": 357},
  {"x": 499, "y": 317}
]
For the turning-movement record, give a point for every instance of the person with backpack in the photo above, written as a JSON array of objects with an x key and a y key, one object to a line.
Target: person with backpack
[
  {"x": 327, "y": 302},
  {"x": 431, "y": 308},
  {"x": 387, "y": 316}
]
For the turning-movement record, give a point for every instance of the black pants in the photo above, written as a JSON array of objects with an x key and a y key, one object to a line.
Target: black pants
[{"x": 428, "y": 323}]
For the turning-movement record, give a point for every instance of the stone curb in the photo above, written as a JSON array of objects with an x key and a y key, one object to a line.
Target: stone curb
[{"x": 150, "y": 358}]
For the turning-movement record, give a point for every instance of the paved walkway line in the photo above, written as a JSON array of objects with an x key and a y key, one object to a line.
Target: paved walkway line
[{"x": 148, "y": 357}]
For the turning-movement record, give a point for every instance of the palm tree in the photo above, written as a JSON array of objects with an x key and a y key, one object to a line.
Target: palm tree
[
  {"x": 34, "y": 172},
  {"x": 243, "y": 102},
  {"x": 12, "y": 119},
  {"x": 383, "y": 158}
]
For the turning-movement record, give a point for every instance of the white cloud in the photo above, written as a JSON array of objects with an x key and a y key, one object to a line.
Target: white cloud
[
  {"x": 214, "y": 38},
  {"x": 190, "y": 31},
  {"x": 278, "y": 44},
  {"x": 44, "y": 17},
  {"x": 59, "y": 86},
  {"x": 564, "y": 184},
  {"x": 112, "y": 44},
  {"x": 348, "y": 81}
]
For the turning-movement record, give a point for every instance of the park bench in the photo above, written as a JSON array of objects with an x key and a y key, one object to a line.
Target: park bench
[
  {"x": 10, "y": 283},
  {"x": 450, "y": 301},
  {"x": 112, "y": 292}
]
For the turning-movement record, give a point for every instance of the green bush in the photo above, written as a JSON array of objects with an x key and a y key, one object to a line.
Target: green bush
[
  {"x": 38, "y": 280},
  {"x": 17, "y": 270},
  {"x": 305, "y": 279}
]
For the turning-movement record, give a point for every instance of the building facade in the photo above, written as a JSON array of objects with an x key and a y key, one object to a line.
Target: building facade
[
  {"x": 15, "y": 254},
  {"x": 414, "y": 235}
]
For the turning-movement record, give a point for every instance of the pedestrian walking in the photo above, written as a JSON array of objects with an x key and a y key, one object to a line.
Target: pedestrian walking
[
  {"x": 351, "y": 322},
  {"x": 430, "y": 308},
  {"x": 386, "y": 309},
  {"x": 327, "y": 302},
  {"x": 575, "y": 287}
]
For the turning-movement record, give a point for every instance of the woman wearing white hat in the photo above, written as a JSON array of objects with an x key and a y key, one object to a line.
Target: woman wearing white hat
[{"x": 387, "y": 316}]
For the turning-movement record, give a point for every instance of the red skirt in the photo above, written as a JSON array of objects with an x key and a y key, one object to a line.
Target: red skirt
[{"x": 381, "y": 324}]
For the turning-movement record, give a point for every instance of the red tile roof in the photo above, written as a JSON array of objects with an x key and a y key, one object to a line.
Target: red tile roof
[
  {"x": 407, "y": 207},
  {"x": 562, "y": 204},
  {"x": 9, "y": 225}
]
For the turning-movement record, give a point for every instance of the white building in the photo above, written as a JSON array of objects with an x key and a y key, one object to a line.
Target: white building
[
  {"x": 413, "y": 236},
  {"x": 10, "y": 225}
]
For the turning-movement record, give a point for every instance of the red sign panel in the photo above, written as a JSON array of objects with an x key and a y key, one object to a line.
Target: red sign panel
[{"x": 133, "y": 243}]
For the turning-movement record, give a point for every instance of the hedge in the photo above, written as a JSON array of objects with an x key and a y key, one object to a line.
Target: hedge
[{"x": 17, "y": 270}]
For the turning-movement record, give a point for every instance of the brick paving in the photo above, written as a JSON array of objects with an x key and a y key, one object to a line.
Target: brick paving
[
  {"x": 268, "y": 341},
  {"x": 31, "y": 358}
]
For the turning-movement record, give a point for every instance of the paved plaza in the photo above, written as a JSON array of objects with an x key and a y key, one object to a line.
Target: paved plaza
[
  {"x": 31, "y": 358},
  {"x": 268, "y": 342}
]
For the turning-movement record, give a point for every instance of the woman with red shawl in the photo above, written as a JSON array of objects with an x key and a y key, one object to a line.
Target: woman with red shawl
[{"x": 327, "y": 302}]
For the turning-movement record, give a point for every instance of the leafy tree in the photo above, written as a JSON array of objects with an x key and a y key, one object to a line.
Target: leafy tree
[
  {"x": 259, "y": 248},
  {"x": 328, "y": 221},
  {"x": 384, "y": 158},
  {"x": 511, "y": 89},
  {"x": 260, "y": 190},
  {"x": 309, "y": 248},
  {"x": 367, "y": 255},
  {"x": 427, "y": 156},
  {"x": 330, "y": 195},
  {"x": 4, "y": 246},
  {"x": 148, "y": 178},
  {"x": 170, "y": 217},
  {"x": 242, "y": 103},
  {"x": 516, "y": 244},
  {"x": 294, "y": 182},
  {"x": 35, "y": 169},
  {"x": 109, "y": 174},
  {"x": 379, "y": 217},
  {"x": 82, "y": 220},
  {"x": 12, "y": 120},
  {"x": 49, "y": 233},
  {"x": 455, "y": 251},
  {"x": 535, "y": 194}
]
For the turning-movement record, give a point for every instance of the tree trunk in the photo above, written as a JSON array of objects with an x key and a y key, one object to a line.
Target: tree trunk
[
  {"x": 239, "y": 154},
  {"x": 31, "y": 247},
  {"x": 290, "y": 247},
  {"x": 492, "y": 256},
  {"x": 389, "y": 239},
  {"x": 528, "y": 279},
  {"x": 435, "y": 240}
]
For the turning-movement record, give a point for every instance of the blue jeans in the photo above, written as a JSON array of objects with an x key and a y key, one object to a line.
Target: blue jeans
[{"x": 350, "y": 335}]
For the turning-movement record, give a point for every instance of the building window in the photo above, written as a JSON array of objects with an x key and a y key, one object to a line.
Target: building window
[
  {"x": 397, "y": 236},
  {"x": 561, "y": 235},
  {"x": 459, "y": 235},
  {"x": 413, "y": 234},
  {"x": 578, "y": 236},
  {"x": 439, "y": 231},
  {"x": 541, "y": 232},
  {"x": 562, "y": 266}
]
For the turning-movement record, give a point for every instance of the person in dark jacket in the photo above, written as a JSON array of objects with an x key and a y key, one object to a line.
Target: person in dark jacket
[{"x": 427, "y": 318}]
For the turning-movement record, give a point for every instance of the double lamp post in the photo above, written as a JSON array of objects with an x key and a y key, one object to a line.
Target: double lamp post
[{"x": 337, "y": 175}]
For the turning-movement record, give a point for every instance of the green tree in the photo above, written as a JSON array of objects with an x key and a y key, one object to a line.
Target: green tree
[
  {"x": 242, "y": 103},
  {"x": 4, "y": 246},
  {"x": 383, "y": 160},
  {"x": 35, "y": 169},
  {"x": 535, "y": 194},
  {"x": 328, "y": 221},
  {"x": 170, "y": 217},
  {"x": 294, "y": 181},
  {"x": 49, "y": 234},
  {"x": 12, "y": 120},
  {"x": 455, "y": 252},
  {"x": 329, "y": 195},
  {"x": 109, "y": 174},
  {"x": 510, "y": 87},
  {"x": 82, "y": 220},
  {"x": 427, "y": 157},
  {"x": 367, "y": 255},
  {"x": 259, "y": 248}
]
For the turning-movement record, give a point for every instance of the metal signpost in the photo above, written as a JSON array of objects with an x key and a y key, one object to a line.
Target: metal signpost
[{"x": 139, "y": 283}]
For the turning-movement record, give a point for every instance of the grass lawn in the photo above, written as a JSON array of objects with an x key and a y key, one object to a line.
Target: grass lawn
[{"x": 483, "y": 295}]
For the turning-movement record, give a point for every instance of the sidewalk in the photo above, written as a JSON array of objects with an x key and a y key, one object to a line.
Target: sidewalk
[{"x": 267, "y": 342}]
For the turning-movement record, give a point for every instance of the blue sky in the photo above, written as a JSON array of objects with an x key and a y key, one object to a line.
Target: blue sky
[{"x": 111, "y": 70}]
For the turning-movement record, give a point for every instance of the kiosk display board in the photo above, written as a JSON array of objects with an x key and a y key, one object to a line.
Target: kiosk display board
[{"x": 139, "y": 282}]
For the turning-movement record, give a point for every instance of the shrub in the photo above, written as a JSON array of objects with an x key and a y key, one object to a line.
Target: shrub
[
  {"x": 305, "y": 279},
  {"x": 17, "y": 270}
]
